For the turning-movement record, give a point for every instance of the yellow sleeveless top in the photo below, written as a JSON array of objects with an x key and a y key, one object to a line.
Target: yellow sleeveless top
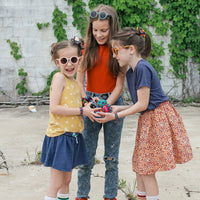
[{"x": 71, "y": 98}]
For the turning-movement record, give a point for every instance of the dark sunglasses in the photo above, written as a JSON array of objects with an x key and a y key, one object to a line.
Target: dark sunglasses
[
  {"x": 102, "y": 15},
  {"x": 73, "y": 60}
]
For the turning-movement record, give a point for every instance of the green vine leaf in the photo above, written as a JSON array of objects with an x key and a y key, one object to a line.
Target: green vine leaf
[
  {"x": 80, "y": 16},
  {"x": 14, "y": 50},
  {"x": 40, "y": 25},
  {"x": 59, "y": 19},
  {"x": 21, "y": 86}
]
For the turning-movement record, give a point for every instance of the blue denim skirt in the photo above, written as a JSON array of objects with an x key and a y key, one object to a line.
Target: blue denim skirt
[{"x": 64, "y": 152}]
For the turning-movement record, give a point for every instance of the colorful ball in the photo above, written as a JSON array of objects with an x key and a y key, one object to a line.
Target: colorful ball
[
  {"x": 107, "y": 108},
  {"x": 102, "y": 103},
  {"x": 93, "y": 105}
]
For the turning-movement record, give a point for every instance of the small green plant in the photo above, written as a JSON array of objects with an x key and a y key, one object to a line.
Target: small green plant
[
  {"x": 36, "y": 161},
  {"x": 122, "y": 184},
  {"x": 188, "y": 100},
  {"x": 37, "y": 158},
  {"x": 14, "y": 50},
  {"x": 21, "y": 86},
  {"x": 130, "y": 193},
  {"x": 27, "y": 160},
  {"x": 40, "y": 25}
]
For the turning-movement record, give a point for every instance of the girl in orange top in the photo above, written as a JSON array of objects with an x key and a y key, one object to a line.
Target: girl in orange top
[{"x": 105, "y": 81}]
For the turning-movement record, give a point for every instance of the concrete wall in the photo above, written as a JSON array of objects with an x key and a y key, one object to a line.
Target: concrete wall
[{"x": 18, "y": 21}]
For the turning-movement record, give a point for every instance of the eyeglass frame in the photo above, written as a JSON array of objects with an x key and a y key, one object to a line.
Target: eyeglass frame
[
  {"x": 98, "y": 14},
  {"x": 115, "y": 50},
  {"x": 69, "y": 60}
]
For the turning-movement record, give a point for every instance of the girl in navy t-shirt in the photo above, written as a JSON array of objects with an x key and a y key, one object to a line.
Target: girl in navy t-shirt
[{"x": 161, "y": 139}]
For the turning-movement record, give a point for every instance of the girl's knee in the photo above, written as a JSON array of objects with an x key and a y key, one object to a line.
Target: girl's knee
[
  {"x": 111, "y": 163},
  {"x": 66, "y": 181}
]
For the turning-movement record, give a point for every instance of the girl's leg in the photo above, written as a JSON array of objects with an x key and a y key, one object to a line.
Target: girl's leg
[
  {"x": 112, "y": 137},
  {"x": 63, "y": 192},
  {"x": 56, "y": 182},
  {"x": 64, "y": 189},
  {"x": 141, "y": 193},
  {"x": 90, "y": 134},
  {"x": 140, "y": 183},
  {"x": 151, "y": 186}
]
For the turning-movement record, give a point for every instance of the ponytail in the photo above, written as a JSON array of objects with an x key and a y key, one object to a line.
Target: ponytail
[
  {"x": 138, "y": 38},
  {"x": 147, "y": 49},
  {"x": 147, "y": 44}
]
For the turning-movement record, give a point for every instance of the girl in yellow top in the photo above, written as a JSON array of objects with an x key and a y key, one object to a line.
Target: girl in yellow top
[{"x": 63, "y": 146}]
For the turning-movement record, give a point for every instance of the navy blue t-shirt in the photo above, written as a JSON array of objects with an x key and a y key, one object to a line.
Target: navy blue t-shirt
[{"x": 145, "y": 75}]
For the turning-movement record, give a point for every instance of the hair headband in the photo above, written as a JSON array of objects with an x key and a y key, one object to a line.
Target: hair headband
[{"x": 78, "y": 42}]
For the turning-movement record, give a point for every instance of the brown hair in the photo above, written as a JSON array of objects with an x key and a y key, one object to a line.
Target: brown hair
[
  {"x": 131, "y": 36},
  {"x": 91, "y": 51},
  {"x": 55, "y": 47}
]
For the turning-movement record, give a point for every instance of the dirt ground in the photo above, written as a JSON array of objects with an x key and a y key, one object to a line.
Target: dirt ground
[{"x": 21, "y": 137}]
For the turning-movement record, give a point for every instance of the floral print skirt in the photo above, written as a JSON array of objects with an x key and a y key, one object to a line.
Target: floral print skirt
[{"x": 161, "y": 141}]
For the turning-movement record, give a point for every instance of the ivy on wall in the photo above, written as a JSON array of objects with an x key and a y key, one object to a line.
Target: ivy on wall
[
  {"x": 80, "y": 15},
  {"x": 22, "y": 85},
  {"x": 45, "y": 91},
  {"x": 59, "y": 19},
  {"x": 14, "y": 50},
  {"x": 179, "y": 16},
  {"x": 42, "y": 25},
  {"x": 185, "y": 37}
]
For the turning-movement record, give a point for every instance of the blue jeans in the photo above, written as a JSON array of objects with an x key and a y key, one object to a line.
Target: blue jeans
[{"x": 112, "y": 137}]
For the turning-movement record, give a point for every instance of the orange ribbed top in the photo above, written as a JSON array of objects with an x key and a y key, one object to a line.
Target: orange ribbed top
[{"x": 99, "y": 78}]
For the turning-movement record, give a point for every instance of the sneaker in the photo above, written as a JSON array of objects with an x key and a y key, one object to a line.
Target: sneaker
[
  {"x": 81, "y": 198},
  {"x": 110, "y": 199}
]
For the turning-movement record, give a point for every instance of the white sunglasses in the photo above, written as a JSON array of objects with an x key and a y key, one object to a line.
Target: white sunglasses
[{"x": 73, "y": 60}]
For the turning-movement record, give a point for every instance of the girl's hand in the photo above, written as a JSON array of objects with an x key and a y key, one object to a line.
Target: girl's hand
[
  {"x": 105, "y": 117},
  {"x": 90, "y": 112},
  {"x": 95, "y": 99},
  {"x": 115, "y": 109}
]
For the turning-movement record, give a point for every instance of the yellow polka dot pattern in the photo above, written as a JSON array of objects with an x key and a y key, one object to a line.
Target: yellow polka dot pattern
[{"x": 71, "y": 98}]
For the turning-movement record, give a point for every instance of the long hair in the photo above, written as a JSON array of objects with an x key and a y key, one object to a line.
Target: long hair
[
  {"x": 131, "y": 36},
  {"x": 91, "y": 50}
]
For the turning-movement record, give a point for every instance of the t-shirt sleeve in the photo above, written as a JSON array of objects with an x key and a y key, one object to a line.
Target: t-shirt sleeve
[{"x": 143, "y": 77}]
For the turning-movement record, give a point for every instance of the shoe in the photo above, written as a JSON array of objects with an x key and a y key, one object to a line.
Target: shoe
[
  {"x": 110, "y": 199},
  {"x": 81, "y": 198}
]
